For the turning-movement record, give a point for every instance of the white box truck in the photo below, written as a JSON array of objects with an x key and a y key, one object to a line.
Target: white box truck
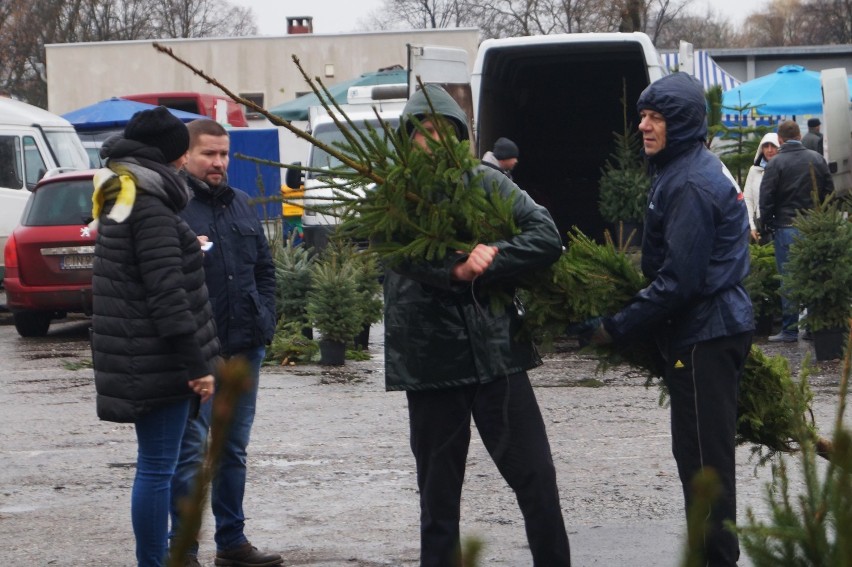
[
  {"x": 388, "y": 103},
  {"x": 32, "y": 142},
  {"x": 558, "y": 97}
]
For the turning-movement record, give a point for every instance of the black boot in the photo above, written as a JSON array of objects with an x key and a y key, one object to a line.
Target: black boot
[{"x": 247, "y": 555}]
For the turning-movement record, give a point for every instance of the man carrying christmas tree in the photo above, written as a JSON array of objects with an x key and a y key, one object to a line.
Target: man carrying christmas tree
[
  {"x": 455, "y": 354},
  {"x": 695, "y": 255}
]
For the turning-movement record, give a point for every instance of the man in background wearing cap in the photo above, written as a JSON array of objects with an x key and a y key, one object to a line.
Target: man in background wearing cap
[
  {"x": 813, "y": 139},
  {"x": 504, "y": 156},
  {"x": 154, "y": 343},
  {"x": 241, "y": 279}
]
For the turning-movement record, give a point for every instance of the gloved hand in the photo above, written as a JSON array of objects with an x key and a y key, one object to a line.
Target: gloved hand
[{"x": 591, "y": 331}]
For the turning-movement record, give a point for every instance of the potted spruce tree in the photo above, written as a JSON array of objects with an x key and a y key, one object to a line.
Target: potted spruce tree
[
  {"x": 333, "y": 306},
  {"x": 819, "y": 274},
  {"x": 365, "y": 262},
  {"x": 293, "y": 341},
  {"x": 763, "y": 285},
  {"x": 624, "y": 184},
  {"x": 292, "y": 281}
]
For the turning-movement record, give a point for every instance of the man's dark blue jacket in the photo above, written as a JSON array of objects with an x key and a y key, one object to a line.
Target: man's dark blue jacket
[
  {"x": 239, "y": 269},
  {"x": 695, "y": 246}
]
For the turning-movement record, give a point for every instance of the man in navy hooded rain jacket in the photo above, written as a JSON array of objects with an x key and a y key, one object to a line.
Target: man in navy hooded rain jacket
[{"x": 695, "y": 255}]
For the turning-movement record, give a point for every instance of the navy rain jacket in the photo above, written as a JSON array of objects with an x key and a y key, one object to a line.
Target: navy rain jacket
[
  {"x": 695, "y": 247},
  {"x": 239, "y": 269}
]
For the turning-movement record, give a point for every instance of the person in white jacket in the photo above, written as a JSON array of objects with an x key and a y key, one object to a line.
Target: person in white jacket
[{"x": 765, "y": 151}]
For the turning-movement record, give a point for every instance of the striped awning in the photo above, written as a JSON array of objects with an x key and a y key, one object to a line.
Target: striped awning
[{"x": 706, "y": 70}]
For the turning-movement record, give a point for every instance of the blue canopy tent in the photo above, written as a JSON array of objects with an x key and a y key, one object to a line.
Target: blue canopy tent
[
  {"x": 792, "y": 90},
  {"x": 297, "y": 109},
  {"x": 114, "y": 113}
]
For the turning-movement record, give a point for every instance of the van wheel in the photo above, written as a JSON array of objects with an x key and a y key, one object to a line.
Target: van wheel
[{"x": 32, "y": 323}]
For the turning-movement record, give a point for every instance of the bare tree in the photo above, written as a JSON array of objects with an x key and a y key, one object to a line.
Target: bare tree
[
  {"x": 419, "y": 14},
  {"x": 202, "y": 18},
  {"x": 704, "y": 32},
  {"x": 26, "y": 26},
  {"x": 779, "y": 25},
  {"x": 827, "y": 22}
]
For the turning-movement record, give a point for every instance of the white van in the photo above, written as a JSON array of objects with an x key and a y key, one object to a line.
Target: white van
[
  {"x": 32, "y": 142},
  {"x": 559, "y": 98}
]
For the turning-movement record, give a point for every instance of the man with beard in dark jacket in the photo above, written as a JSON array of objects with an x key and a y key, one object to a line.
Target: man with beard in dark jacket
[
  {"x": 241, "y": 278},
  {"x": 695, "y": 255},
  {"x": 456, "y": 357},
  {"x": 785, "y": 190},
  {"x": 154, "y": 340}
]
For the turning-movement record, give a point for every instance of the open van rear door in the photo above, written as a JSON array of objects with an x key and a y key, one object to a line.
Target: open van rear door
[
  {"x": 445, "y": 66},
  {"x": 837, "y": 125}
]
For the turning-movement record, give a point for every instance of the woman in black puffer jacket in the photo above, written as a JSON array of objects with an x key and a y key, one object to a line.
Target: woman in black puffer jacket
[{"x": 154, "y": 339}]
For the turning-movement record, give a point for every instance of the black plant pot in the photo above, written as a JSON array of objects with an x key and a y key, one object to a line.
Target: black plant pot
[
  {"x": 362, "y": 339},
  {"x": 763, "y": 325},
  {"x": 829, "y": 343},
  {"x": 332, "y": 353}
]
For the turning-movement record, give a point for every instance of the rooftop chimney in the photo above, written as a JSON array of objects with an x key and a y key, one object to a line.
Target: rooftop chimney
[{"x": 300, "y": 24}]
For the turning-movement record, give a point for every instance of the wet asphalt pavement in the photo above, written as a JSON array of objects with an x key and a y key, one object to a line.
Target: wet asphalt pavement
[{"x": 331, "y": 480}]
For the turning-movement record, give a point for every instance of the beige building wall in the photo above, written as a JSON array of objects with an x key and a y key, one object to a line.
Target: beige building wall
[{"x": 80, "y": 74}]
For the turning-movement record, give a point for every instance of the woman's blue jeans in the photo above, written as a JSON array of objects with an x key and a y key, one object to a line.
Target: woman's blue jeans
[
  {"x": 158, "y": 434},
  {"x": 229, "y": 478}
]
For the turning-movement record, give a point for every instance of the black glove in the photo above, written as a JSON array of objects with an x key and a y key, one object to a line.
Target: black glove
[{"x": 591, "y": 331}]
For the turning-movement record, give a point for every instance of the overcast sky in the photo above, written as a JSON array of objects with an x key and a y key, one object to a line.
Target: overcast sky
[{"x": 336, "y": 16}]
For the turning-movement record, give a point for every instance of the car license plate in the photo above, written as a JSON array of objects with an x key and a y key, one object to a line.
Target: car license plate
[{"x": 77, "y": 262}]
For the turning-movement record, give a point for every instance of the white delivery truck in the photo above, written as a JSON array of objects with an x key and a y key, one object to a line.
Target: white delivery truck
[
  {"x": 837, "y": 128},
  {"x": 558, "y": 97},
  {"x": 362, "y": 105},
  {"x": 32, "y": 142}
]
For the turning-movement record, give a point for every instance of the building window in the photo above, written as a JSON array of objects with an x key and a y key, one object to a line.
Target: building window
[{"x": 256, "y": 98}]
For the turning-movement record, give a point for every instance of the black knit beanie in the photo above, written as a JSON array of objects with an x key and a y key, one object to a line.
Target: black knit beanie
[
  {"x": 160, "y": 129},
  {"x": 504, "y": 148}
]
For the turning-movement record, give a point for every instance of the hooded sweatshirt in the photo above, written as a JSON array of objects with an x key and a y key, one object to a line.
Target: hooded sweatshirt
[
  {"x": 755, "y": 176},
  {"x": 441, "y": 333},
  {"x": 695, "y": 248}
]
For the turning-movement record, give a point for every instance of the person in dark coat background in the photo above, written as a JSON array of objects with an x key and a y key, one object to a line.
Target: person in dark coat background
[
  {"x": 154, "y": 340},
  {"x": 695, "y": 255},
  {"x": 503, "y": 157},
  {"x": 456, "y": 358},
  {"x": 240, "y": 275},
  {"x": 785, "y": 190},
  {"x": 813, "y": 139}
]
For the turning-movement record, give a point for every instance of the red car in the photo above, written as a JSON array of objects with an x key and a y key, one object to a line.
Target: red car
[{"x": 49, "y": 255}]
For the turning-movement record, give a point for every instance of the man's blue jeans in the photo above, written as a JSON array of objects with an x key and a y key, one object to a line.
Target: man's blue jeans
[
  {"x": 229, "y": 479},
  {"x": 789, "y": 310},
  {"x": 158, "y": 434}
]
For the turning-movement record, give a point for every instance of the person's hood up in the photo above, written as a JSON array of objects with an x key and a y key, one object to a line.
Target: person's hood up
[
  {"x": 443, "y": 104},
  {"x": 771, "y": 138},
  {"x": 679, "y": 97}
]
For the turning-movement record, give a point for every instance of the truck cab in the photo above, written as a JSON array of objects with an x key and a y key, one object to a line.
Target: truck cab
[{"x": 361, "y": 109}]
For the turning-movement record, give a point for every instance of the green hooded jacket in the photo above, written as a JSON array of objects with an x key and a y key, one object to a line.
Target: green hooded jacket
[{"x": 442, "y": 333}]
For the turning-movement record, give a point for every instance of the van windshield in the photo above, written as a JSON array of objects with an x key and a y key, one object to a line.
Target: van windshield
[
  {"x": 329, "y": 134},
  {"x": 67, "y": 149}
]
